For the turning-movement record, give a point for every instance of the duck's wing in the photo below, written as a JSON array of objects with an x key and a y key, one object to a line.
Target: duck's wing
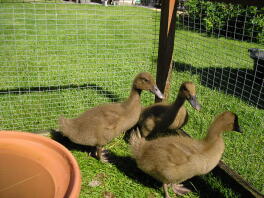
[
  {"x": 104, "y": 116},
  {"x": 111, "y": 118},
  {"x": 151, "y": 116},
  {"x": 181, "y": 151},
  {"x": 155, "y": 110}
]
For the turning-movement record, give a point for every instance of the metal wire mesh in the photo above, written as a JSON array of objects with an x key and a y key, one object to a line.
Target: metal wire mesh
[
  {"x": 61, "y": 57},
  {"x": 226, "y": 61}
]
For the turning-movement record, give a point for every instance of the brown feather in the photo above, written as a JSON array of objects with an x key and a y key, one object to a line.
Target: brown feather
[
  {"x": 99, "y": 125},
  {"x": 162, "y": 116},
  {"x": 174, "y": 159}
]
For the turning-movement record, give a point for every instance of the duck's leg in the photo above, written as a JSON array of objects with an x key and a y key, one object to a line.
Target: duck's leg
[
  {"x": 92, "y": 152},
  {"x": 100, "y": 154},
  {"x": 165, "y": 188},
  {"x": 179, "y": 189}
]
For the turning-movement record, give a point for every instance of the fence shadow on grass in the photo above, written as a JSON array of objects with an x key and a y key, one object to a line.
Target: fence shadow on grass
[
  {"x": 27, "y": 90},
  {"x": 241, "y": 83}
]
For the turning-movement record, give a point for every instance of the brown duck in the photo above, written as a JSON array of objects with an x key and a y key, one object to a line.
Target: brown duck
[
  {"x": 174, "y": 159},
  {"x": 162, "y": 116},
  {"x": 99, "y": 125}
]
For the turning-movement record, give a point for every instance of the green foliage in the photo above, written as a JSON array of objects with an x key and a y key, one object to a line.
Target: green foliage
[
  {"x": 228, "y": 19},
  {"x": 258, "y": 22}
]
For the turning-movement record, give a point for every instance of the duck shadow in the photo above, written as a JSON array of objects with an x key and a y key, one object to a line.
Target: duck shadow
[
  {"x": 27, "y": 90},
  {"x": 196, "y": 184},
  {"x": 165, "y": 133},
  {"x": 241, "y": 83},
  {"x": 58, "y": 137},
  {"x": 128, "y": 166},
  {"x": 155, "y": 134}
]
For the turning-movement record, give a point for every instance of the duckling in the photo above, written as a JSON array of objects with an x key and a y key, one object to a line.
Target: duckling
[
  {"x": 168, "y": 116},
  {"x": 99, "y": 125},
  {"x": 174, "y": 159}
]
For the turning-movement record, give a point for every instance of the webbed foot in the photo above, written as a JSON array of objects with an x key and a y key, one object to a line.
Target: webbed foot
[{"x": 179, "y": 189}]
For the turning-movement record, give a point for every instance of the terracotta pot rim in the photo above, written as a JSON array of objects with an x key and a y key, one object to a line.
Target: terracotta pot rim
[{"x": 75, "y": 176}]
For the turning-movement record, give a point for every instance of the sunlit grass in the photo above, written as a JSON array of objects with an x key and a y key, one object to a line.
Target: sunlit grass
[{"x": 61, "y": 59}]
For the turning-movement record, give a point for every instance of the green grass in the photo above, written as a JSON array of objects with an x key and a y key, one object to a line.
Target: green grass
[
  {"x": 243, "y": 151},
  {"x": 65, "y": 58}
]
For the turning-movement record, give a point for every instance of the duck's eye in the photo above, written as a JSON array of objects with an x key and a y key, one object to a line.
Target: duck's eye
[
  {"x": 145, "y": 80},
  {"x": 184, "y": 89}
]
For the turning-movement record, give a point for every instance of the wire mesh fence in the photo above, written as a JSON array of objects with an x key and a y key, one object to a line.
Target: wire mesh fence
[
  {"x": 61, "y": 57},
  {"x": 223, "y": 54}
]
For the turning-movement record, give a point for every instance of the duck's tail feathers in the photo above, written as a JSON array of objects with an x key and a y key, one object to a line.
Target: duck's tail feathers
[{"x": 136, "y": 142}]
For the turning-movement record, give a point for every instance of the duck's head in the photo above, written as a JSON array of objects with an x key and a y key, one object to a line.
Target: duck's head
[
  {"x": 228, "y": 121},
  {"x": 144, "y": 81},
  {"x": 187, "y": 91}
]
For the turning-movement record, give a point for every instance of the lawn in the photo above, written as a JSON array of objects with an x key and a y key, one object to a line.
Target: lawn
[{"x": 60, "y": 59}]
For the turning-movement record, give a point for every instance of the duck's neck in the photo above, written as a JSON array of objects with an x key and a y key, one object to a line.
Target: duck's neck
[
  {"x": 214, "y": 133},
  {"x": 178, "y": 103},
  {"x": 213, "y": 147},
  {"x": 134, "y": 98}
]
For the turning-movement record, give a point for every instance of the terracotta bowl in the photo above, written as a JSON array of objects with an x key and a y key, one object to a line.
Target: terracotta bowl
[{"x": 35, "y": 166}]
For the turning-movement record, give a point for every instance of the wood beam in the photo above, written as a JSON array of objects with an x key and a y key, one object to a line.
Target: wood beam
[{"x": 166, "y": 45}]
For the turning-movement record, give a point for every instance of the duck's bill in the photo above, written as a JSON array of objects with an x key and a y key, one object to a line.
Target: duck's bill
[
  {"x": 194, "y": 102},
  {"x": 157, "y": 92}
]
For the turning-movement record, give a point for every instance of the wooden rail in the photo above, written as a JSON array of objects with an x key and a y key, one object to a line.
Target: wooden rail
[
  {"x": 232, "y": 178},
  {"x": 236, "y": 182}
]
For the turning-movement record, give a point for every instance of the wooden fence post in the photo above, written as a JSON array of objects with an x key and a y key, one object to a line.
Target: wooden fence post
[{"x": 166, "y": 45}]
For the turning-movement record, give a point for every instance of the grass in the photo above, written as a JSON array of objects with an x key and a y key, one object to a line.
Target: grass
[{"x": 64, "y": 58}]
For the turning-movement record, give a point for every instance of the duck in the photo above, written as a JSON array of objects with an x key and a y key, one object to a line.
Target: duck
[
  {"x": 99, "y": 125},
  {"x": 168, "y": 116},
  {"x": 174, "y": 159}
]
